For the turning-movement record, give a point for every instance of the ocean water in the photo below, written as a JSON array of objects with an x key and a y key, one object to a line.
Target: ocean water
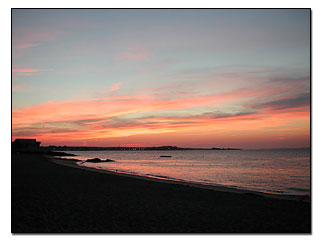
[{"x": 280, "y": 171}]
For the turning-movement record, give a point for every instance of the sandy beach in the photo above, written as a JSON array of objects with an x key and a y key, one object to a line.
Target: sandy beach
[{"x": 50, "y": 197}]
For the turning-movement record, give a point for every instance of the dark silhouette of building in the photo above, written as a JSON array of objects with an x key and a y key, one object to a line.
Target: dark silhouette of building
[{"x": 26, "y": 145}]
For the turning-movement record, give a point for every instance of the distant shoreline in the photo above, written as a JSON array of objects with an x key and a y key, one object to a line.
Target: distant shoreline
[{"x": 161, "y": 148}]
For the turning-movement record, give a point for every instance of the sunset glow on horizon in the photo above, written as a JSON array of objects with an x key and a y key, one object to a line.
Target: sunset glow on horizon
[{"x": 189, "y": 78}]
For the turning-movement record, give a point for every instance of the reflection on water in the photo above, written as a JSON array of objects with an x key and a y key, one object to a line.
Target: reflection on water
[{"x": 284, "y": 171}]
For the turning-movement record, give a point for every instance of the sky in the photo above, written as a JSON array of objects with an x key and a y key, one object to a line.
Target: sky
[{"x": 189, "y": 78}]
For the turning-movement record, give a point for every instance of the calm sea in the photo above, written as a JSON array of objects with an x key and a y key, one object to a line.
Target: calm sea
[{"x": 280, "y": 171}]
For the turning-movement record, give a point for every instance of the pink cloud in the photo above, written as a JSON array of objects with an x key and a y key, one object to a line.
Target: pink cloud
[
  {"x": 25, "y": 70},
  {"x": 137, "y": 53},
  {"x": 114, "y": 87},
  {"x": 29, "y": 87},
  {"x": 25, "y": 38},
  {"x": 133, "y": 56},
  {"x": 144, "y": 71},
  {"x": 27, "y": 45},
  {"x": 157, "y": 66},
  {"x": 32, "y": 35},
  {"x": 18, "y": 87}
]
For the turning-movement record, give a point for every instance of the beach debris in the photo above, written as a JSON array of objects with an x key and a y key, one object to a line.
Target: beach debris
[
  {"x": 165, "y": 156},
  {"x": 98, "y": 160}
]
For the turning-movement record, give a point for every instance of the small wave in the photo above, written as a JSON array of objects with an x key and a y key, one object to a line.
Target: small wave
[
  {"x": 162, "y": 176},
  {"x": 206, "y": 180}
]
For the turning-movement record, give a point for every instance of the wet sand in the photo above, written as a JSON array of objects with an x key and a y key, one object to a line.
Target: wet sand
[{"x": 52, "y": 198}]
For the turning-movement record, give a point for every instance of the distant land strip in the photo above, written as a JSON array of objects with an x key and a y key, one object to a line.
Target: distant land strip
[{"x": 81, "y": 148}]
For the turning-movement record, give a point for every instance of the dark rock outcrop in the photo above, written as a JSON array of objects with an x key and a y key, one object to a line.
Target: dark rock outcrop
[
  {"x": 94, "y": 160},
  {"x": 109, "y": 160},
  {"x": 97, "y": 160}
]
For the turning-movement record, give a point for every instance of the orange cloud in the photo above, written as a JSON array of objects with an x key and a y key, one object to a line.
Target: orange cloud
[
  {"x": 116, "y": 106},
  {"x": 288, "y": 124},
  {"x": 100, "y": 118}
]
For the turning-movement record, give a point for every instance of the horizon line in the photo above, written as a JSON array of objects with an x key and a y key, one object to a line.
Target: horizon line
[{"x": 207, "y": 148}]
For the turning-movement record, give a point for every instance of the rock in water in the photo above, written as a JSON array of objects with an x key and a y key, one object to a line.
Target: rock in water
[
  {"x": 109, "y": 160},
  {"x": 97, "y": 160},
  {"x": 94, "y": 160}
]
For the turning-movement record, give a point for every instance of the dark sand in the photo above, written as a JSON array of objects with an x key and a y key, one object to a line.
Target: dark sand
[{"x": 53, "y": 198}]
